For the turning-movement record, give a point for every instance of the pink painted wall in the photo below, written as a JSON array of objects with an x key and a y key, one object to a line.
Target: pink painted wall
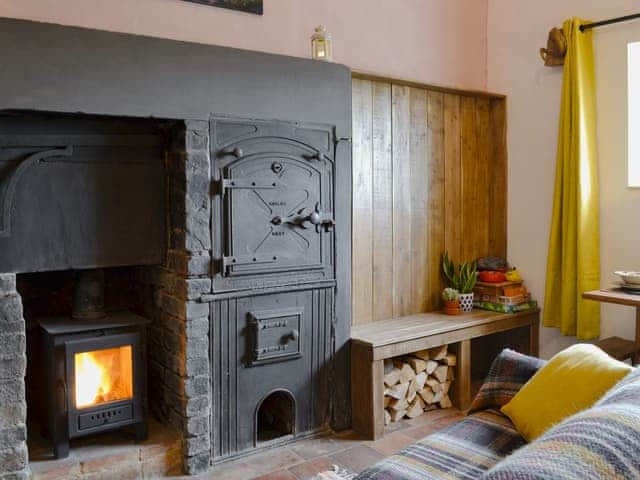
[
  {"x": 432, "y": 41},
  {"x": 517, "y": 31}
]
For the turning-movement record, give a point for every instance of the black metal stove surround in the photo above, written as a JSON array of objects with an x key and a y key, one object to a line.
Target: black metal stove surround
[
  {"x": 225, "y": 386},
  {"x": 80, "y": 191}
]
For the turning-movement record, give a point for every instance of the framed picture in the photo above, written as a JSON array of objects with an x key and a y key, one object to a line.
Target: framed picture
[{"x": 250, "y": 6}]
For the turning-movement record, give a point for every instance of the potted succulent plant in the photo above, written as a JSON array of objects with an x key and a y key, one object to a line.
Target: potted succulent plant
[
  {"x": 451, "y": 302},
  {"x": 462, "y": 279}
]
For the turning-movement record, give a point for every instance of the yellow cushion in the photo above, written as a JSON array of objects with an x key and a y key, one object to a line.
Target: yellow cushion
[{"x": 573, "y": 380}]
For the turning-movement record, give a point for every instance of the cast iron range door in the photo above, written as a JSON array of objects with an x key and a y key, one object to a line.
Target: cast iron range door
[{"x": 274, "y": 284}]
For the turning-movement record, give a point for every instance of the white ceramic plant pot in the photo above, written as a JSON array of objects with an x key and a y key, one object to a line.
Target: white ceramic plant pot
[{"x": 466, "y": 301}]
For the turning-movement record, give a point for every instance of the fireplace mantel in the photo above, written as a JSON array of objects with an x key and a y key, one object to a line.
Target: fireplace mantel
[{"x": 55, "y": 68}]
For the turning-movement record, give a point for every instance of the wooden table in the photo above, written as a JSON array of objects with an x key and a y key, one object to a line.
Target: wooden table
[
  {"x": 372, "y": 343},
  {"x": 618, "y": 347}
]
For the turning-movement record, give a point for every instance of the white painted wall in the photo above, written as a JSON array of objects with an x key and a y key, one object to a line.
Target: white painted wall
[
  {"x": 516, "y": 31},
  {"x": 633, "y": 78},
  {"x": 432, "y": 41}
]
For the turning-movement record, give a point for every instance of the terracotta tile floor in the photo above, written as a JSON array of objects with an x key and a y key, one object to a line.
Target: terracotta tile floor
[
  {"x": 159, "y": 457},
  {"x": 304, "y": 459}
]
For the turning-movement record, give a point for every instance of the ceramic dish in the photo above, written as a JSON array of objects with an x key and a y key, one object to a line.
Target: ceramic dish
[
  {"x": 630, "y": 278},
  {"x": 629, "y": 287}
]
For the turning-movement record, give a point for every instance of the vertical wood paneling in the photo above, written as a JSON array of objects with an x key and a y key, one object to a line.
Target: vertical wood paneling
[
  {"x": 429, "y": 176},
  {"x": 401, "y": 128},
  {"x": 362, "y": 266},
  {"x": 382, "y": 203},
  {"x": 452, "y": 176},
  {"x": 469, "y": 179},
  {"x": 435, "y": 188},
  {"x": 498, "y": 162},
  {"x": 484, "y": 175},
  {"x": 418, "y": 188}
]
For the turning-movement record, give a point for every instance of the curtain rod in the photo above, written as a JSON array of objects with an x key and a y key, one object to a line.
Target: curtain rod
[{"x": 609, "y": 22}]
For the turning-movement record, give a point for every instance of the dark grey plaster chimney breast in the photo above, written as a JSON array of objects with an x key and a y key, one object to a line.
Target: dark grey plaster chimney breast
[{"x": 224, "y": 177}]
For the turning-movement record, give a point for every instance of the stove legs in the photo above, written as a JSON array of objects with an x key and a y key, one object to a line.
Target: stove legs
[
  {"x": 141, "y": 431},
  {"x": 59, "y": 428},
  {"x": 60, "y": 446}
]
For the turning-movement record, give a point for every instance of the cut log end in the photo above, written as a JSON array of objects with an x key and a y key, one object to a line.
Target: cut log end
[
  {"x": 417, "y": 383},
  {"x": 445, "y": 402},
  {"x": 392, "y": 378}
]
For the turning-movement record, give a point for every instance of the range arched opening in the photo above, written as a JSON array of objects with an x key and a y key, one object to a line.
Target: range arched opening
[{"x": 275, "y": 416}]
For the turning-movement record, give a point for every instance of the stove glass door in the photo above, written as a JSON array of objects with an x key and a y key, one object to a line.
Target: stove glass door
[{"x": 103, "y": 376}]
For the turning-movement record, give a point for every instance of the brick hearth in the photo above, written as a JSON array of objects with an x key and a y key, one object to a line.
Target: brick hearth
[{"x": 110, "y": 456}]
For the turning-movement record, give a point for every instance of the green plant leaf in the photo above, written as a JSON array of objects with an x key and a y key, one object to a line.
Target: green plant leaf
[
  {"x": 467, "y": 276},
  {"x": 450, "y": 271}
]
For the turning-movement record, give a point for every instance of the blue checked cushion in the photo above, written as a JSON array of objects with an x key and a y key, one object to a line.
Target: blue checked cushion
[
  {"x": 598, "y": 443},
  {"x": 464, "y": 450},
  {"x": 508, "y": 373}
]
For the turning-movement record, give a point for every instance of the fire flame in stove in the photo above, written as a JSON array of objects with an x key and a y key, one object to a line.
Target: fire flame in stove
[{"x": 103, "y": 376}]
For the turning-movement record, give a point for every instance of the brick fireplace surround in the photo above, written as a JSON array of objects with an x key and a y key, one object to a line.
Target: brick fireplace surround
[
  {"x": 13, "y": 405},
  {"x": 184, "y": 85},
  {"x": 178, "y": 338}
]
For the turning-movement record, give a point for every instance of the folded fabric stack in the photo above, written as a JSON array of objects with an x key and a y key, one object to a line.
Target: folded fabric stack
[{"x": 505, "y": 297}]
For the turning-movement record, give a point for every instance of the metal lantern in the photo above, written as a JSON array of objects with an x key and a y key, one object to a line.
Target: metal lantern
[{"x": 321, "y": 44}]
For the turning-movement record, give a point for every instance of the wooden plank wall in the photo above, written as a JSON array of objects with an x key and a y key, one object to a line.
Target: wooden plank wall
[{"x": 429, "y": 175}]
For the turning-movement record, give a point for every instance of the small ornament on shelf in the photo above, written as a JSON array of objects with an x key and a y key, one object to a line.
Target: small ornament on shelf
[
  {"x": 463, "y": 279},
  {"x": 451, "y": 302},
  {"x": 506, "y": 296}
]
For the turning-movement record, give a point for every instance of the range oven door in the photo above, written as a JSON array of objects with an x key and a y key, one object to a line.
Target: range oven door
[
  {"x": 273, "y": 212},
  {"x": 104, "y": 382}
]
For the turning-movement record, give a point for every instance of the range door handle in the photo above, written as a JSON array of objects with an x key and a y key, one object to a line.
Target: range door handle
[
  {"x": 234, "y": 151},
  {"x": 316, "y": 218}
]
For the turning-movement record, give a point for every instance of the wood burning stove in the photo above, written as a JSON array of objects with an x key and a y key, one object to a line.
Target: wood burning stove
[{"x": 95, "y": 368}]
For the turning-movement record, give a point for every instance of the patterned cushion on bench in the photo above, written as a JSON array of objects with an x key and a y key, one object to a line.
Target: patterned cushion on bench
[
  {"x": 463, "y": 450},
  {"x": 598, "y": 443},
  {"x": 508, "y": 373}
]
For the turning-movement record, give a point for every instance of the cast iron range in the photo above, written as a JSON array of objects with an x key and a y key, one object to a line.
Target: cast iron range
[{"x": 95, "y": 364}]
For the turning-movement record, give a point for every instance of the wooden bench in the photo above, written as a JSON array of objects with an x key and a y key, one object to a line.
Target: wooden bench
[{"x": 372, "y": 343}]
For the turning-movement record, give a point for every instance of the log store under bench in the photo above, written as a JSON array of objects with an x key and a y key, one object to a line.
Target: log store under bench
[{"x": 407, "y": 365}]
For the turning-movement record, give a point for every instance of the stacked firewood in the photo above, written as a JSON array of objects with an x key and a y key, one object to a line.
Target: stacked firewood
[{"x": 417, "y": 383}]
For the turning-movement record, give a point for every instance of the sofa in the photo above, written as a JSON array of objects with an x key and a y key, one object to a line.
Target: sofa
[{"x": 602, "y": 442}]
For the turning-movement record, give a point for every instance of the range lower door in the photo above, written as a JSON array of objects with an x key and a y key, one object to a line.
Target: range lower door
[{"x": 272, "y": 368}]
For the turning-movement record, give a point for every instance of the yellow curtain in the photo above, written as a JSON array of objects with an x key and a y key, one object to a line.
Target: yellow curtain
[{"x": 573, "y": 265}]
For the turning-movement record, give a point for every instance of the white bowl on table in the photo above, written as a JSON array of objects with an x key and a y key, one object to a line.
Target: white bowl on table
[{"x": 630, "y": 278}]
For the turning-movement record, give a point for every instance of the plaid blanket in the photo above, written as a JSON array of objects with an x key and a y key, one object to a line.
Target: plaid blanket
[
  {"x": 598, "y": 443},
  {"x": 601, "y": 442},
  {"x": 464, "y": 450},
  {"x": 508, "y": 373}
]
